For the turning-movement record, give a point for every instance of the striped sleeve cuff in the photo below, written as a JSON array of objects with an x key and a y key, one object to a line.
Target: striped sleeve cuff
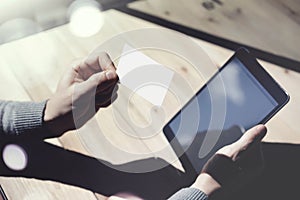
[
  {"x": 28, "y": 116},
  {"x": 189, "y": 194}
]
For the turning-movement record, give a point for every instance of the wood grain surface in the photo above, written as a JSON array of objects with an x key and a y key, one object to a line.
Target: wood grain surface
[
  {"x": 31, "y": 68},
  {"x": 271, "y": 25}
]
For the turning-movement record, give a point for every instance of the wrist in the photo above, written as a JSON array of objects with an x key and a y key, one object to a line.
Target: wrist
[
  {"x": 206, "y": 184},
  {"x": 53, "y": 120},
  {"x": 48, "y": 113}
]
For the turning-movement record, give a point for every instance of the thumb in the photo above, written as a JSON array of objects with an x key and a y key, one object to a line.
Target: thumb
[
  {"x": 98, "y": 79},
  {"x": 249, "y": 141},
  {"x": 250, "y": 138},
  {"x": 253, "y": 135}
]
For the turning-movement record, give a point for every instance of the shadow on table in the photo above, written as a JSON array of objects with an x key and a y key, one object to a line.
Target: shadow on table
[
  {"x": 280, "y": 179},
  {"x": 50, "y": 162}
]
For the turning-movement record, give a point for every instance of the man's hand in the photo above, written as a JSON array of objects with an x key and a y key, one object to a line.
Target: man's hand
[
  {"x": 247, "y": 149},
  {"x": 84, "y": 88}
]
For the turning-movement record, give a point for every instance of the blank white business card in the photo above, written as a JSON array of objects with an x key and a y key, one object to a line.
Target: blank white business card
[{"x": 144, "y": 75}]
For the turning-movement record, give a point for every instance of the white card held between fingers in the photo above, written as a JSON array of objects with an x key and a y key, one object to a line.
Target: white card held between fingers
[{"x": 143, "y": 75}]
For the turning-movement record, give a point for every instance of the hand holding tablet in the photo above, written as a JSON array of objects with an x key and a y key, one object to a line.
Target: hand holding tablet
[{"x": 240, "y": 95}]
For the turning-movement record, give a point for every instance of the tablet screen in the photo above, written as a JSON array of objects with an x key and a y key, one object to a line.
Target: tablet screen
[{"x": 246, "y": 104}]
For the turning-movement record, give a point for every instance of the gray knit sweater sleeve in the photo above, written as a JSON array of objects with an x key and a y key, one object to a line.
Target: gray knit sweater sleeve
[
  {"x": 189, "y": 194},
  {"x": 20, "y": 117}
]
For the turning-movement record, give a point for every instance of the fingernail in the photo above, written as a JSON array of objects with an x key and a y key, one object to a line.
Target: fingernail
[
  {"x": 260, "y": 128},
  {"x": 110, "y": 75}
]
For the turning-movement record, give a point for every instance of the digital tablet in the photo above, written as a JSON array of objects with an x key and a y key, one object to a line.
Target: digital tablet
[{"x": 240, "y": 95}]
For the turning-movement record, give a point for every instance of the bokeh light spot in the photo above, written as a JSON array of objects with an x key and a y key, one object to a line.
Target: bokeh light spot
[{"x": 15, "y": 157}]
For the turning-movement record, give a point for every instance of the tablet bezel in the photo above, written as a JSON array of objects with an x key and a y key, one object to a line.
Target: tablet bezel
[{"x": 260, "y": 74}]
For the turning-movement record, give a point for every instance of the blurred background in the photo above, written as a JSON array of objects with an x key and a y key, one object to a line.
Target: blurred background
[
  {"x": 21, "y": 18},
  {"x": 69, "y": 29},
  {"x": 270, "y": 27}
]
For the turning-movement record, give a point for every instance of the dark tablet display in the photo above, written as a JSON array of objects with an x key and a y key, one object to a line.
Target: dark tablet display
[{"x": 241, "y": 95}]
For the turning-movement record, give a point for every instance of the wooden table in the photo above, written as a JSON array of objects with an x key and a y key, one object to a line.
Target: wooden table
[
  {"x": 30, "y": 70},
  {"x": 272, "y": 25}
]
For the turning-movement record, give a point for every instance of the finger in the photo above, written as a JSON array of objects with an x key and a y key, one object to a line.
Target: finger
[
  {"x": 93, "y": 63},
  {"x": 107, "y": 93},
  {"x": 250, "y": 139},
  {"x": 83, "y": 70},
  {"x": 100, "y": 61},
  {"x": 109, "y": 84},
  {"x": 111, "y": 87},
  {"x": 98, "y": 79},
  {"x": 254, "y": 134}
]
